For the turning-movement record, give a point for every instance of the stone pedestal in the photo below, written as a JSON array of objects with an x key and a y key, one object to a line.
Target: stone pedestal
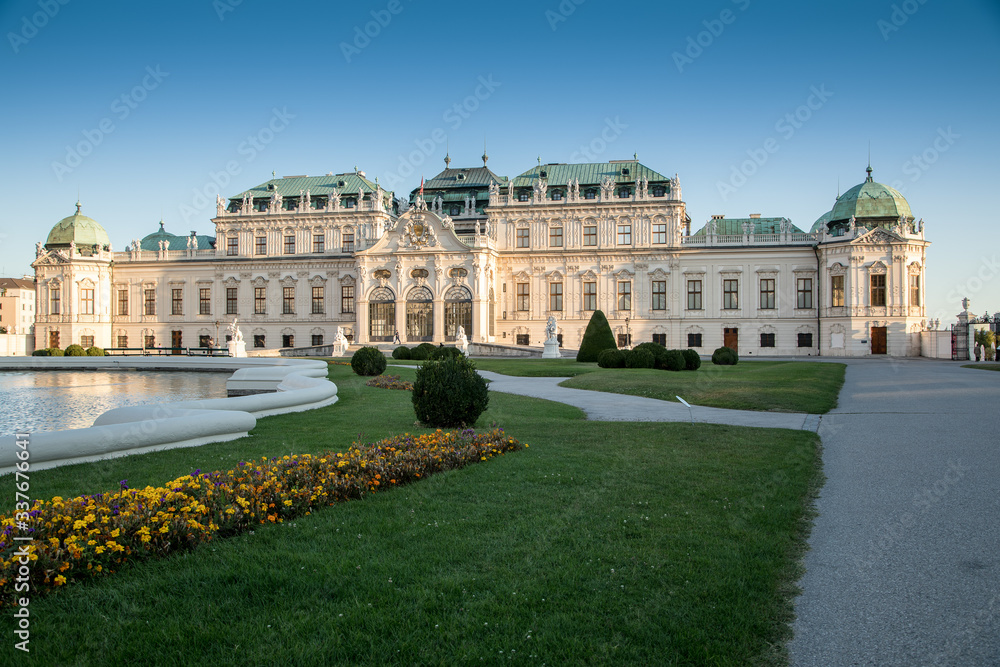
[
  {"x": 340, "y": 348},
  {"x": 237, "y": 348},
  {"x": 551, "y": 349}
]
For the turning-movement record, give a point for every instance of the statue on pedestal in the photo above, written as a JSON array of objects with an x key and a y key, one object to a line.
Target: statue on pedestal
[
  {"x": 340, "y": 343},
  {"x": 462, "y": 340}
]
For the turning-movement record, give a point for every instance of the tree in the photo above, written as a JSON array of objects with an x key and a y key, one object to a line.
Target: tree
[
  {"x": 596, "y": 338},
  {"x": 985, "y": 338}
]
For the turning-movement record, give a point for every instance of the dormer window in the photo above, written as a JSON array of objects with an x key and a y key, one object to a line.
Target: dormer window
[
  {"x": 455, "y": 210},
  {"x": 590, "y": 194},
  {"x": 556, "y": 195},
  {"x": 460, "y": 177},
  {"x": 623, "y": 193},
  {"x": 340, "y": 184},
  {"x": 543, "y": 173},
  {"x": 349, "y": 203},
  {"x": 624, "y": 171},
  {"x": 659, "y": 191},
  {"x": 270, "y": 186},
  {"x": 522, "y": 196}
]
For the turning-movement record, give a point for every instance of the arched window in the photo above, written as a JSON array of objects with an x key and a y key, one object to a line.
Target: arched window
[
  {"x": 457, "y": 312},
  {"x": 381, "y": 315},
  {"x": 420, "y": 315}
]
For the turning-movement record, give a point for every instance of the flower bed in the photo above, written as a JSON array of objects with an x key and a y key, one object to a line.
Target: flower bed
[
  {"x": 93, "y": 535},
  {"x": 389, "y": 382}
]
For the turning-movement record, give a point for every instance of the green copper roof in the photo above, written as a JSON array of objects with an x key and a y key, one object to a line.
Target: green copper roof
[
  {"x": 823, "y": 222},
  {"x": 80, "y": 229},
  {"x": 152, "y": 241},
  {"x": 870, "y": 200},
  {"x": 455, "y": 184},
  {"x": 318, "y": 186},
  {"x": 591, "y": 174},
  {"x": 735, "y": 226}
]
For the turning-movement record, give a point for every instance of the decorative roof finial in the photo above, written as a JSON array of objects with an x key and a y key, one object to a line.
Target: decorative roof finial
[
  {"x": 447, "y": 160},
  {"x": 635, "y": 156},
  {"x": 539, "y": 160},
  {"x": 273, "y": 175},
  {"x": 869, "y": 170},
  {"x": 78, "y": 207},
  {"x": 485, "y": 156}
]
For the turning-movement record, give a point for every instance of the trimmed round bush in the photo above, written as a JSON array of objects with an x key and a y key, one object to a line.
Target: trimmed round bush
[
  {"x": 439, "y": 353},
  {"x": 639, "y": 358},
  {"x": 725, "y": 356},
  {"x": 94, "y": 351},
  {"x": 44, "y": 352},
  {"x": 368, "y": 361},
  {"x": 75, "y": 350},
  {"x": 597, "y": 337},
  {"x": 401, "y": 352},
  {"x": 55, "y": 352},
  {"x": 611, "y": 359},
  {"x": 422, "y": 351},
  {"x": 692, "y": 360},
  {"x": 449, "y": 392},
  {"x": 673, "y": 360},
  {"x": 656, "y": 350}
]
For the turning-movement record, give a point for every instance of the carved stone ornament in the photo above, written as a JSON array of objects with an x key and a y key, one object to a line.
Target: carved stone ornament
[
  {"x": 382, "y": 276},
  {"x": 418, "y": 233}
]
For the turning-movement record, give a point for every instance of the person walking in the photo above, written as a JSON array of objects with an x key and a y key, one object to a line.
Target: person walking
[{"x": 395, "y": 337}]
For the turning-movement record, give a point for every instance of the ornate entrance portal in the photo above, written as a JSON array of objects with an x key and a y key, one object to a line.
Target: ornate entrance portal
[{"x": 420, "y": 315}]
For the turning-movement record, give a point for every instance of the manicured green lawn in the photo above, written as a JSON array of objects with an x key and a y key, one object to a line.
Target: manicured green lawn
[
  {"x": 528, "y": 367},
  {"x": 779, "y": 386},
  {"x": 988, "y": 366},
  {"x": 603, "y": 543}
]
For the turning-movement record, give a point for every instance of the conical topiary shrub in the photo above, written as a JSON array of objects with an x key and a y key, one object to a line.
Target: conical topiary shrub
[{"x": 598, "y": 337}]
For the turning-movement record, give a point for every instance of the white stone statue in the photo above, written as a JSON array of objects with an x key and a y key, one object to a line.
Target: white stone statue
[
  {"x": 220, "y": 206},
  {"x": 462, "y": 340},
  {"x": 340, "y": 343},
  {"x": 551, "y": 340},
  {"x": 38, "y": 249},
  {"x": 237, "y": 346}
]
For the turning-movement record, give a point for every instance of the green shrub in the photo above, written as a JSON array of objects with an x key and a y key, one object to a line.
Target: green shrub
[
  {"x": 56, "y": 352},
  {"x": 449, "y": 393},
  {"x": 439, "y": 353},
  {"x": 422, "y": 351},
  {"x": 673, "y": 360},
  {"x": 368, "y": 361},
  {"x": 692, "y": 360},
  {"x": 401, "y": 352},
  {"x": 596, "y": 338},
  {"x": 656, "y": 350},
  {"x": 725, "y": 356},
  {"x": 44, "y": 352},
  {"x": 94, "y": 351},
  {"x": 639, "y": 358},
  {"x": 75, "y": 350},
  {"x": 611, "y": 359}
]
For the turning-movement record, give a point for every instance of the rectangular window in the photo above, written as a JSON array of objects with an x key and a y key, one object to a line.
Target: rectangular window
[
  {"x": 804, "y": 293},
  {"x": 205, "y": 301},
  {"x": 878, "y": 290},
  {"x": 805, "y": 340},
  {"x": 259, "y": 301},
  {"x": 694, "y": 340},
  {"x": 523, "y": 296},
  {"x": 555, "y": 296},
  {"x": 287, "y": 302},
  {"x": 590, "y": 296},
  {"x": 624, "y": 234},
  {"x": 258, "y": 340},
  {"x": 317, "y": 339},
  {"x": 590, "y": 235},
  {"x": 288, "y": 340},
  {"x": 290, "y": 244},
  {"x": 231, "y": 301},
  {"x": 317, "y": 300},
  {"x": 767, "y": 340},
  {"x": 625, "y": 295},
  {"x": 659, "y": 233},
  {"x": 319, "y": 243},
  {"x": 347, "y": 299},
  {"x": 232, "y": 245},
  {"x": 122, "y": 302},
  {"x": 122, "y": 341},
  {"x": 348, "y": 243},
  {"x": 694, "y": 295},
  {"x": 177, "y": 302},
  {"x": 204, "y": 341},
  {"x": 660, "y": 339},
  {"x": 624, "y": 340},
  {"x": 915, "y": 290},
  {"x": 767, "y": 294},
  {"x": 837, "y": 291},
  {"x": 521, "y": 339},
  {"x": 149, "y": 301},
  {"x": 730, "y": 294},
  {"x": 659, "y": 295},
  {"x": 556, "y": 237},
  {"x": 149, "y": 341},
  {"x": 86, "y": 342},
  {"x": 260, "y": 245},
  {"x": 522, "y": 237},
  {"x": 87, "y": 303},
  {"x": 56, "y": 295}
]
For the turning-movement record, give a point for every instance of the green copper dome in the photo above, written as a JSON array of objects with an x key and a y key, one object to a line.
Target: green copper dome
[
  {"x": 823, "y": 222},
  {"x": 870, "y": 200},
  {"x": 78, "y": 228}
]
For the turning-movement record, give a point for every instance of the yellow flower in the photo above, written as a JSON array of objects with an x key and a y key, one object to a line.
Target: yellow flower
[{"x": 60, "y": 580}]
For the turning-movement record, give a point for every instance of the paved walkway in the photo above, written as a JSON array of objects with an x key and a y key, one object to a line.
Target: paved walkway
[
  {"x": 904, "y": 559},
  {"x": 602, "y": 406}
]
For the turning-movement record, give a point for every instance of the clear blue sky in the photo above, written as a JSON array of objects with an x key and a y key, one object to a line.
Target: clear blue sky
[{"x": 164, "y": 97}]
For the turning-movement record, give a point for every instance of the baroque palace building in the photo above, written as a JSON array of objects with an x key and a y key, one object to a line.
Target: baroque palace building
[{"x": 297, "y": 257}]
